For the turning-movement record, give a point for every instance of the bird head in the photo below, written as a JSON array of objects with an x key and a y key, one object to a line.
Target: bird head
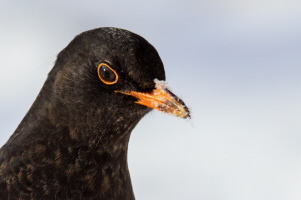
[{"x": 114, "y": 68}]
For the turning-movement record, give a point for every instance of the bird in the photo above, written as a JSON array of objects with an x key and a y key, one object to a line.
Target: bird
[{"x": 72, "y": 144}]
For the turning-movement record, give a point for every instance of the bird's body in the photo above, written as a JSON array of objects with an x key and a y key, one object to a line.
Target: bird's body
[{"x": 72, "y": 143}]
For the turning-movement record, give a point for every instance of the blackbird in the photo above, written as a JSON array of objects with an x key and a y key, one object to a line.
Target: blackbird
[{"x": 73, "y": 142}]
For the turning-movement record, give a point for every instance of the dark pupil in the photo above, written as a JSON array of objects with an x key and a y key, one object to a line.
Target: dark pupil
[{"x": 107, "y": 74}]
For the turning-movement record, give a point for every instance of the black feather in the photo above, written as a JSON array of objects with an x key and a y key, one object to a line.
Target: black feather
[{"x": 72, "y": 143}]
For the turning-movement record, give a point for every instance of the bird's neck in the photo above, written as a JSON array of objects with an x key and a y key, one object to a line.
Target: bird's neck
[{"x": 86, "y": 149}]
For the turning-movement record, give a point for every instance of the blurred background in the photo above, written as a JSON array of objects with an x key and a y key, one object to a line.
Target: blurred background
[{"x": 235, "y": 63}]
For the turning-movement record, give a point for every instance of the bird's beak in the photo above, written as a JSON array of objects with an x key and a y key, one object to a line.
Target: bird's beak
[{"x": 161, "y": 99}]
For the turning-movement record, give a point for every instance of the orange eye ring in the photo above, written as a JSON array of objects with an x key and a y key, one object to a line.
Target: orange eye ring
[{"x": 106, "y": 74}]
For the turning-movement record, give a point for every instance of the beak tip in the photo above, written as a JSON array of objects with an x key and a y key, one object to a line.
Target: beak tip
[{"x": 187, "y": 116}]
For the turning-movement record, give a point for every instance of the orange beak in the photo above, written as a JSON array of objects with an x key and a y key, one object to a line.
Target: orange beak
[{"x": 161, "y": 99}]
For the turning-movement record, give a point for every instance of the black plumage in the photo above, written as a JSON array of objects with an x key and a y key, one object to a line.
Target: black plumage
[{"x": 72, "y": 143}]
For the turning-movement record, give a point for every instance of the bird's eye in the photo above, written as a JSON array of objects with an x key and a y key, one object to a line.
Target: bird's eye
[{"x": 106, "y": 74}]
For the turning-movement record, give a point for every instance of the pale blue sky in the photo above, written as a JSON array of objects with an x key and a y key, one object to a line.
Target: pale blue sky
[{"x": 236, "y": 64}]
